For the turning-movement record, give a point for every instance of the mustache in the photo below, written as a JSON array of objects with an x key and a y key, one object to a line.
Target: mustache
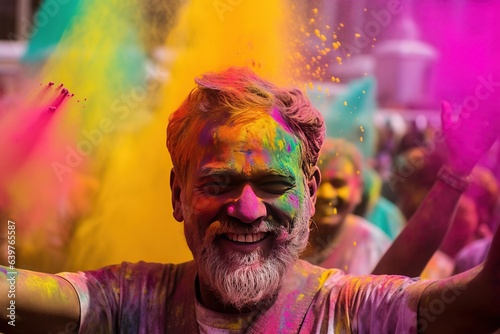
[
  {"x": 229, "y": 225},
  {"x": 267, "y": 225}
]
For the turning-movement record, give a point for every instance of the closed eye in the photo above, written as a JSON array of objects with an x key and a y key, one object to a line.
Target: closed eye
[
  {"x": 216, "y": 184},
  {"x": 215, "y": 188},
  {"x": 275, "y": 187}
]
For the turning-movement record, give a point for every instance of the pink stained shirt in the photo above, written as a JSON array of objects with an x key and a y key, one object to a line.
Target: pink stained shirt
[{"x": 160, "y": 298}]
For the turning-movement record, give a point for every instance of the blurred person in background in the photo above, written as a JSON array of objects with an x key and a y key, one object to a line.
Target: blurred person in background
[{"x": 339, "y": 238}]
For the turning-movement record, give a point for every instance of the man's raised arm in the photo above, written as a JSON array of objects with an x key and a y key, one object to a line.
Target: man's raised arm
[
  {"x": 32, "y": 302},
  {"x": 468, "y": 138}
]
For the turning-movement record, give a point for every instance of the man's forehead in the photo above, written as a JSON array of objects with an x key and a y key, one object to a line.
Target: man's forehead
[
  {"x": 256, "y": 145},
  {"x": 267, "y": 130}
]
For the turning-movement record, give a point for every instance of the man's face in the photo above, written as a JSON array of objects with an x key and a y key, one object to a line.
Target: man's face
[
  {"x": 339, "y": 192},
  {"x": 246, "y": 208}
]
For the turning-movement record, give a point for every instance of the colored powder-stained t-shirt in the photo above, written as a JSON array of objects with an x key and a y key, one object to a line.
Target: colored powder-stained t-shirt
[{"x": 161, "y": 298}]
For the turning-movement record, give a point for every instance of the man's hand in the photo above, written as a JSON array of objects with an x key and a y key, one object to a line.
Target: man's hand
[{"x": 468, "y": 137}]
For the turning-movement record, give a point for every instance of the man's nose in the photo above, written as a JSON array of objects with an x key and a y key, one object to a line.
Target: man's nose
[{"x": 248, "y": 207}]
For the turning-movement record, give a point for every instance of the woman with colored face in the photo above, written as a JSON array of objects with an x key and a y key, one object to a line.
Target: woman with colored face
[
  {"x": 339, "y": 191},
  {"x": 340, "y": 239}
]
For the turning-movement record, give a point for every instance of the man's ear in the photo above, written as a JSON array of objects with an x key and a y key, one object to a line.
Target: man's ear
[
  {"x": 176, "y": 196},
  {"x": 313, "y": 185}
]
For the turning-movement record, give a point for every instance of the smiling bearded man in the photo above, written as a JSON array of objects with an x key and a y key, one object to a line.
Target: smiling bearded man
[{"x": 246, "y": 219}]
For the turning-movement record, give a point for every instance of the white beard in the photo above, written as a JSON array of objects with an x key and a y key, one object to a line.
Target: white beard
[{"x": 244, "y": 280}]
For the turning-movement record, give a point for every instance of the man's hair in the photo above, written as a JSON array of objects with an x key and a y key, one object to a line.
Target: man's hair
[
  {"x": 237, "y": 95},
  {"x": 338, "y": 147}
]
